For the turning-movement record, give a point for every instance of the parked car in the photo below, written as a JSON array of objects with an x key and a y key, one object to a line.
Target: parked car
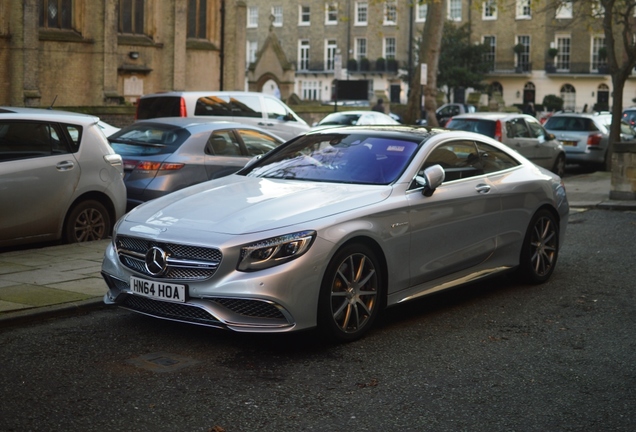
[
  {"x": 256, "y": 109},
  {"x": 106, "y": 128},
  {"x": 520, "y": 132},
  {"x": 59, "y": 178},
  {"x": 328, "y": 229},
  {"x": 629, "y": 116},
  {"x": 167, "y": 154},
  {"x": 359, "y": 118},
  {"x": 449, "y": 110},
  {"x": 585, "y": 136}
]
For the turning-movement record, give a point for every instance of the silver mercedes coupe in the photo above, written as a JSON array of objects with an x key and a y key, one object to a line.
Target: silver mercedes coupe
[{"x": 333, "y": 226}]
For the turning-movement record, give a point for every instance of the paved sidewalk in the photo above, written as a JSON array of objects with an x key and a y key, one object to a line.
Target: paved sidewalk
[{"x": 42, "y": 282}]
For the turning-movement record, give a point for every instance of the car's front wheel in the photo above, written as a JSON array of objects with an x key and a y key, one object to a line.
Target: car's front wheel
[
  {"x": 559, "y": 166},
  {"x": 87, "y": 221},
  {"x": 540, "y": 248},
  {"x": 351, "y": 293}
]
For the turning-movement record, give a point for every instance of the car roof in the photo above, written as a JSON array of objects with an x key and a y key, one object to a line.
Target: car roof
[
  {"x": 202, "y": 123},
  {"x": 203, "y": 93},
  {"x": 578, "y": 114},
  {"x": 46, "y": 114},
  {"x": 490, "y": 115}
]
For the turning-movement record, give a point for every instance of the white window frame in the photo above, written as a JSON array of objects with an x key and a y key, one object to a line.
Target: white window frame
[
  {"x": 303, "y": 54},
  {"x": 454, "y": 10},
  {"x": 597, "y": 41},
  {"x": 421, "y": 9},
  {"x": 277, "y": 12},
  {"x": 390, "y": 13},
  {"x": 361, "y": 6},
  {"x": 331, "y": 13},
  {"x": 252, "y": 17},
  {"x": 251, "y": 50},
  {"x": 563, "y": 44},
  {"x": 311, "y": 90},
  {"x": 331, "y": 48},
  {"x": 302, "y": 14},
  {"x": 524, "y": 9},
  {"x": 389, "y": 48},
  {"x": 360, "y": 48},
  {"x": 492, "y": 54},
  {"x": 524, "y": 40},
  {"x": 564, "y": 10},
  {"x": 489, "y": 10}
]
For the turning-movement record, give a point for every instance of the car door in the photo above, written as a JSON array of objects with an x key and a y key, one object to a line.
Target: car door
[
  {"x": 545, "y": 150},
  {"x": 280, "y": 120},
  {"x": 38, "y": 177},
  {"x": 456, "y": 228},
  {"x": 224, "y": 154},
  {"x": 519, "y": 137}
]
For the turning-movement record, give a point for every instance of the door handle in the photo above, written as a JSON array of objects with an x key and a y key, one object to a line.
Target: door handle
[
  {"x": 65, "y": 165},
  {"x": 265, "y": 124},
  {"x": 482, "y": 188}
]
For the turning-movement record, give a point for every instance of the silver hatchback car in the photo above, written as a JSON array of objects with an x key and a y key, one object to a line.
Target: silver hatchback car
[
  {"x": 59, "y": 178},
  {"x": 520, "y": 132}
]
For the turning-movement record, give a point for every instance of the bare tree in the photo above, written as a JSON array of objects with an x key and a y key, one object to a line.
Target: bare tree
[{"x": 429, "y": 54}]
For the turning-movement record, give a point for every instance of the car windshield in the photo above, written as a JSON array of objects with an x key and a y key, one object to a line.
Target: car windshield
[
  {"x": 484, "y": 127},
  {"x": 340, "y": 119},
  {"x": 337, "y": 157},
  {"x": 575, "y": 124},
  {"x": 148, "y": 139}
]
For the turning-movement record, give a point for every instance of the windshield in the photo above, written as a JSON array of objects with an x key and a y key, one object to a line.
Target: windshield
[
  {"x": 148, "y": 139},
  {"x": 341, "y": 158},
  {"x": 484, "y": 127},
  {"x": 340, "y": 119}
]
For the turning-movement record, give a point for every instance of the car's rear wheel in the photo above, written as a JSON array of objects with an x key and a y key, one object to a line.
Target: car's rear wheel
[
  {"x": 540, "y": 248},
  {"x": 351, "y": 294},
  {"x": 87, "y": 221},
  {"x": 559, "y": 166}
]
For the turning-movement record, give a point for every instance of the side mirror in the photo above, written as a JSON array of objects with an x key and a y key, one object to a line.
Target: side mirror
[
  {"x": 430, "y": 179},
  {"x": 550, "y": 136}
]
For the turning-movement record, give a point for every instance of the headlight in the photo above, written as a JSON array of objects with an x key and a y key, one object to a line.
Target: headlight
[{"x": 272, "y": 252}]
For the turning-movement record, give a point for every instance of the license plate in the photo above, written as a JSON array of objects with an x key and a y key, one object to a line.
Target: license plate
[
  {"x": 569, "y": 143},
  {"x": 158, "y": 290}
]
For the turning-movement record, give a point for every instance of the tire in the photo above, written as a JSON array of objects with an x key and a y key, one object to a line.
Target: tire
[
  {"x": 87, "y": 221},
  {"x": 351, "y": 294},
  {"x": 540, "y": 248},
  {"x": 559, "y": 166}
]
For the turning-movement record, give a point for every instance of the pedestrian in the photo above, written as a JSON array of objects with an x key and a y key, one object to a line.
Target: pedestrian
[
  {"x": 379, "y": 107},
  {"x": 529, "y": 109}
]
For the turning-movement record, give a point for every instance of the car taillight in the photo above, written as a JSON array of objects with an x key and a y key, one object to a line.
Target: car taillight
[
  {"x": 182, "y": 108},
  {"x": 594, "y": 139},
  {"x": 498, "y": 131},
  {"x": 151, "y": 166}
]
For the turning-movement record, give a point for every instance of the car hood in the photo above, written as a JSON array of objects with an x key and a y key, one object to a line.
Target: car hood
[{"x": 242, "y": 205}]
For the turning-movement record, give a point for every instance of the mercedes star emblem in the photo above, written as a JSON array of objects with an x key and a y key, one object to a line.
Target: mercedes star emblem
[{"x": 156, "y": 261}]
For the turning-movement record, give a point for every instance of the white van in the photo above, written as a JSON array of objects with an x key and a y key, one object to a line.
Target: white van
[{"x": 257, "y": 109}]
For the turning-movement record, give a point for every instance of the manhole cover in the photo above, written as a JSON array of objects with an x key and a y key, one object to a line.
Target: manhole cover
[{"x": 162, "y": 362}]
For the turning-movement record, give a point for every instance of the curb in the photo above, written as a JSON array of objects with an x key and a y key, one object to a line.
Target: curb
[{"x": 23, "y": 316}]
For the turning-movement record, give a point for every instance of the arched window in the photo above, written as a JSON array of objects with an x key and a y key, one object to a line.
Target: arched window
[
  {"x": 568, "y": 94},
  {"x": 495, "y": 87}
]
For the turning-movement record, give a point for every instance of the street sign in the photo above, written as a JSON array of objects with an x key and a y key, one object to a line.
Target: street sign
[{"x": 423, "y": 73}]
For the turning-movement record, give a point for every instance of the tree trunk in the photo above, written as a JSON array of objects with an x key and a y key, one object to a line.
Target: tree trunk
[{"x": 429, "y": 54}]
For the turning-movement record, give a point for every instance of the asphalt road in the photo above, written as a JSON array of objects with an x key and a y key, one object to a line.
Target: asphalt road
[{"x": 497, "y": 356}]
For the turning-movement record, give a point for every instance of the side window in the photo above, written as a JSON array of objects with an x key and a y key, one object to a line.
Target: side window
[
  {"x": 223, "y": 143},
  {"x": 257, "y": 143},
  {"x": 213, "y": 106},
  {"x": 517, "y": 128},
  {"x": 246, "y": 106},
  {"x": 75, "y": 133},
  {"x": 537, "y": 130},
  {"x": 23, "y": 140},
  {"x": 492, "y": 159},
  {"x": 458, "y": 158},
  {"x": 276, "y": 110}
]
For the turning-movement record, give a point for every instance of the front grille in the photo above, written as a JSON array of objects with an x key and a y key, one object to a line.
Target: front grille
[
  {"x": 184, "y": 262},
  {"x": 251, "y": 308},
  {"x": 169, "y": 310}
]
